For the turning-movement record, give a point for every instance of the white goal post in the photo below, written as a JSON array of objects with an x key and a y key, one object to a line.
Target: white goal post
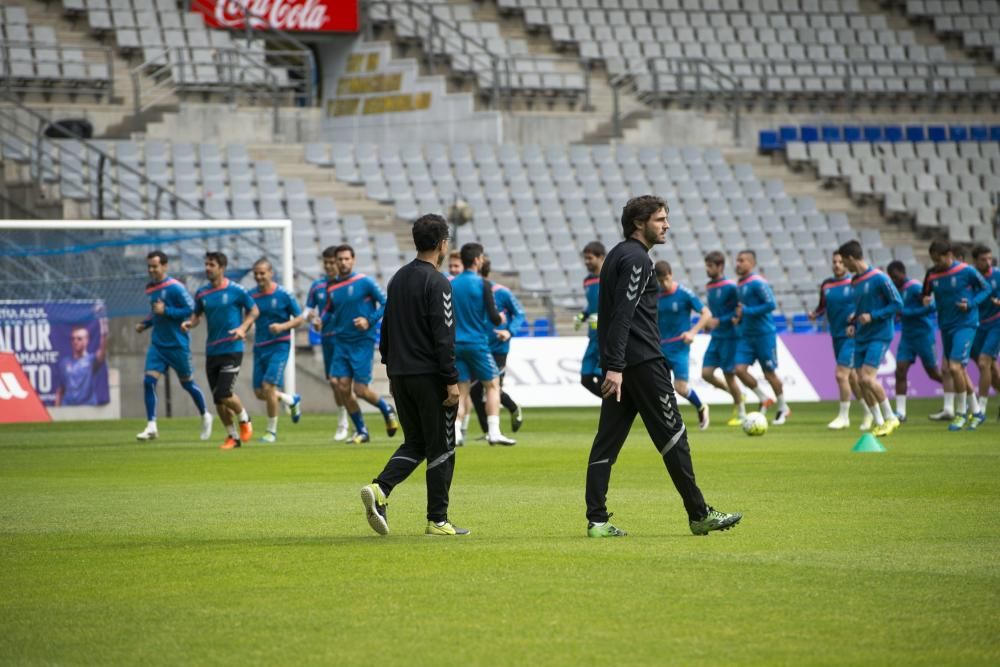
[{"x": 286, "y": 269}]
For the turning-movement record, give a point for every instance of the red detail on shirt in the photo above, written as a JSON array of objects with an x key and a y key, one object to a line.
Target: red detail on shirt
[
  {"x": 837, "y": 283},
  {"x": 954, "y": 269},
  {"x": 866, "y": 275},
  {"x": 720, "y": 283},
  {"x": 587, "y": 282},
  {"x": 342, "y": 283},
  {"x": 166, "y": 282},
  {"x": 751, "y": 278},
  {"x": 213, "y": 290}
]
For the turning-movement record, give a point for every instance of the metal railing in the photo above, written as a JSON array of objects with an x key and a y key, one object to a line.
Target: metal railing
[
  {"x": 45, "y": 68},
  {"x": 499, "y": 76}
]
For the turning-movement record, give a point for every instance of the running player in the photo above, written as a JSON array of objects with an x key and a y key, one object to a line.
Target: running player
[
  {"x": 986, "y": 345},
  {"x": 316, "y": 303},
  {"x": 354, "y": 304},
  {"x": 871, "y": 324},
  {"x": 917, "y": 336},
  {"x": 675, "y": 303},
  {"x": 230, "y": 313},
  {"x": 757, "y": 337},
  {"x": 723, "y": 297},
  {"x": 279, "y": 315},
  {"x": 837, "y": 303},
  {"x": 475, "y": 318},
  {"x": 170, "y": 347},
  {"x": 512, "y": 315},
  {"x": 958, "y": 290},
  {"x": 590, "y": 372}
]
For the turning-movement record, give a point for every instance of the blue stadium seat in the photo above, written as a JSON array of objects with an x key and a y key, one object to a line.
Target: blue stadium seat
[
  {"x": 780, "y": 323},
  {"x": 831, "y": 133},
  {"x": 769, "y": 141},
  {"x": 852, "y": 133},
  {"x": 809, "y": 133},
  {"x": 994, "y": 132},
  {"x": 788, "y": 133},
  {"x": 937, "y": 133},
  {"x": 542, "y": 327},
  {"x": 915, "y": 133},
  {"x": 959, "y": 133},
  {"x": 979, "y": 133},
  {"x": 314, "y": 337},
  {"x": 873, "y": 133},
  {"x": 892, "y": 133},
  {"x": 802, "y": 324}
]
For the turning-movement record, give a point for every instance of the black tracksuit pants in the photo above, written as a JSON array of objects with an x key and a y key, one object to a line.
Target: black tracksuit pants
[
  {"x": 428, "y": 433},
  {"x": 647, "y": 391}
]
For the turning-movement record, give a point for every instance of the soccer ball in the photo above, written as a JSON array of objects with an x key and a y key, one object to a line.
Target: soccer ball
[{"x": 755, "y": 423}]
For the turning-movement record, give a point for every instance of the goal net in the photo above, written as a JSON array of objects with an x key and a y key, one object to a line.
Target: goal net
[{"x": 73, "y": 291}]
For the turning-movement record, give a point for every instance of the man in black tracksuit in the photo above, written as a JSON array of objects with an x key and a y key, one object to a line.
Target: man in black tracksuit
[
  {"x": 637, "y": 380},
  {"x": 418, "y": 349}
]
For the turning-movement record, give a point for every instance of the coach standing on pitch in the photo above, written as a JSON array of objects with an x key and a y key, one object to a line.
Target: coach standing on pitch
[
  {"x": 418, "y": 349},
  {"x": 636, "y": 376}
]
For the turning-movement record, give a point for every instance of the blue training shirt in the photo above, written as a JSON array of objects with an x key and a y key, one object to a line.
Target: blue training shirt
[
  {"x": 723, "y": 295},
  {"x": 758, "y": 302},
  {"x": 837, "y": 302},
  {"x": 472, "y": 323},
  {"x": 960, "y": 281},
  {"x": 224, "y": 308},
  {"x": 167, "y": 332},
  {"x": 917, "y": 319},
  {"x": 349, "y": 297},
  {"x": 989, "y": 312},
  {"x": 276, "y": 307},
  {"x": 875, "y": 294},
  {"x": 513, "y": 313},
  {"x": 673, "y": 312},
  {"x": 316, "y": 298},
  {"x": 592, "y": 290}
]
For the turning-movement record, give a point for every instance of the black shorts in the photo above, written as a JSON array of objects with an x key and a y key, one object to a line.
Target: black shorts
[
  {"x": 501, "y": 359},
  {"x": 222, "y": 370}
]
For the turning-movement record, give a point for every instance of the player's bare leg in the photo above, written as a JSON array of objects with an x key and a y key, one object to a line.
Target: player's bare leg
[
  {"x": 743, "y": 373},
  {"x": 388, "y": 412},
  {"x": 347, "y": 398},
  {"x": 867, "y": 420},
  {"x": 843, "y": 420},
  {"x": 885, "y": 420},
  {"x": 947, "y": 412},
  {"x": 342, "y": 418},
  {"x": 782, "y": 412},
  {"x": 494, "y": 436}
]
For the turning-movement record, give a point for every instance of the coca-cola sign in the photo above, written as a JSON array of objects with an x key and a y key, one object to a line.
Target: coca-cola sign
[{"x": 287, "y": 15}]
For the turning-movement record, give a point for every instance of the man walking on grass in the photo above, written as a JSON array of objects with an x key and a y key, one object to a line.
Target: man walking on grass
[{"x": 637, "y": 380}]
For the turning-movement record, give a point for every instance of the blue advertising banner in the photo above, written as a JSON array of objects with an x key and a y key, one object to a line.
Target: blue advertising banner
[{"x": 61, "y": 345}]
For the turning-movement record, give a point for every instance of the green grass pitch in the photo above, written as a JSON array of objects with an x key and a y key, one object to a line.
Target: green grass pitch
[{"x": 173, "y": 552}]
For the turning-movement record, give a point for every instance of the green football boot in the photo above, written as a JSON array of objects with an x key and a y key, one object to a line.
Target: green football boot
[
  {"x": 444, "y": 529},
  {"x": 715, "y": 520},
  {"x": 604, "y": 529}
]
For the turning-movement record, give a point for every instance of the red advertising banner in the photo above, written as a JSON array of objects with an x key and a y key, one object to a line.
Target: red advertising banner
[
  {"x": 18, "y": 400},
  {"x": 287, "y": 15}
]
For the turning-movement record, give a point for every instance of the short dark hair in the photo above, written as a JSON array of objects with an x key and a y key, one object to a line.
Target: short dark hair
[
  {"x": 484, "y": 270},
  {"x": 595, "y": 248},
  {"x": 896, "y": 266},
  {"x": 747, "y": 251},
  {"x": 330, "y": 252},
  {"x": 470, "y": 252},
  {"x": 217, "y": 257},
  {"x": 958, "y": 250},
  {"x": 851, "y": 249},
  {"x": 428, "y": 232},
  {"x": 939, "y": 247},
  {"x": 979, "y": 250},
  {"x": 640, "y": 209},
  {"x": 158, "y": 254},
  {"x": 343, "y": 247},
  {"x": 662, "y": 269},
  {"x": 715, "y": 258}
]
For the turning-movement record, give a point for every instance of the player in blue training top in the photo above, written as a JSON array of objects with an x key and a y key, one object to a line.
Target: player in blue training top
[
  {"x": 986, "y": 345},
  {"x": 723, "y": 297},
  {"x": 958, "y": 290},
  {"x": 316, "y": 304},
  {"x": 230, "y": 313},
  {"x": 872, "y": 325},
  {"x": 590, "y": 371},
  {"x": 757, "y": 337},
  {"x": 279, "y": 315},
  {"x": 837, "y": 302},
  {"x": 476, "y": 317},
  {"x": 917, "y": 336},
  {"x": 170, "y": 347},
  {"x": 512, "y": 314},
  {"x": 75, "y": 373},
  {"x": 674, "y": 305},
  {"x": 354, "y": 306}
]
